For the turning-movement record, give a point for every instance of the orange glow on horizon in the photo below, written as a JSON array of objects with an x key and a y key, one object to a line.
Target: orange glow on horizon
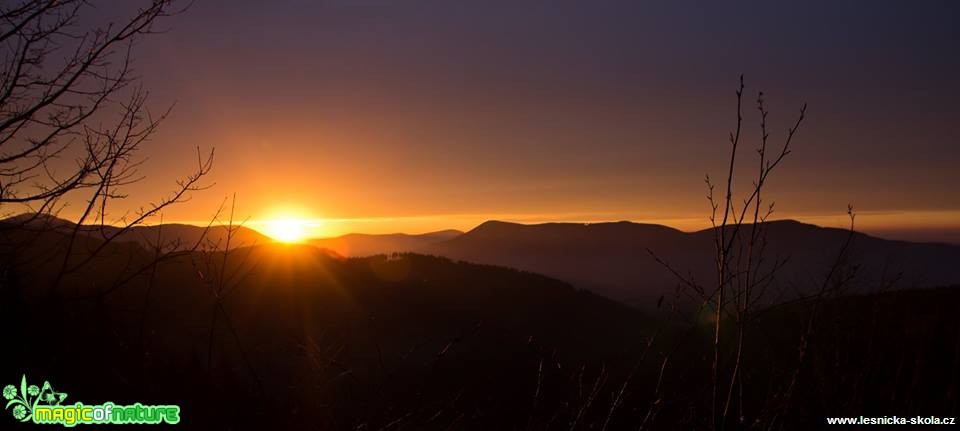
[
  {"x": 288, "y": 225},
  {"x": 286, "y": 230}
]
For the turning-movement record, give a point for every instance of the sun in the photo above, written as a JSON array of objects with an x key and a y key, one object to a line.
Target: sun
[{"x": 287, "y": 230}]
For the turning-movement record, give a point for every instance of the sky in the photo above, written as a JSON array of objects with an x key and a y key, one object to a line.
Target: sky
[{"x": 384, "y": 116}]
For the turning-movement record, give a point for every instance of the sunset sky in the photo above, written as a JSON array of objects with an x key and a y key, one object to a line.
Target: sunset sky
[{"x": 384, "y": 116}]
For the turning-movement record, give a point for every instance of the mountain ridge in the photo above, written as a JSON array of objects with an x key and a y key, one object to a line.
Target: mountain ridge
[
  {"x": 616, "y": 259},
  {"x": 180, "y": 235}
]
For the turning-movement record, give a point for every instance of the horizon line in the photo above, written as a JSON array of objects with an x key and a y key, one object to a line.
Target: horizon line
[{"x": 882, "y": 222}]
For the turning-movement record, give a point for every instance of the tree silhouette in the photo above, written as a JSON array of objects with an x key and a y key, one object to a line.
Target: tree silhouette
[{"x": 74, "y": 116}]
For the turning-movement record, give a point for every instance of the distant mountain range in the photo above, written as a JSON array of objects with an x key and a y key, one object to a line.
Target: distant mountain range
[{"x": 611, "y": 259}]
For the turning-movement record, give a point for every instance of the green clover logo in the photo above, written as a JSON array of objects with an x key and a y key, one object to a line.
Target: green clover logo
[{"x": 25, "y": 400}]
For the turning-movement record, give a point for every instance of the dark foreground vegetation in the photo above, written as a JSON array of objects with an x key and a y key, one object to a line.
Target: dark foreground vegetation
[{"x": 293, "y": 337}]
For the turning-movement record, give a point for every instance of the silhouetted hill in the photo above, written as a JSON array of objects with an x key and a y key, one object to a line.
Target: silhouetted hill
[
  {"x": 357, "y": 244},
  {"x": 612, "y": 258},
  {"x": 292, "y": 337},
  {"x": 301, "y": 329},
  {"x": 168, "y": 234}
]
